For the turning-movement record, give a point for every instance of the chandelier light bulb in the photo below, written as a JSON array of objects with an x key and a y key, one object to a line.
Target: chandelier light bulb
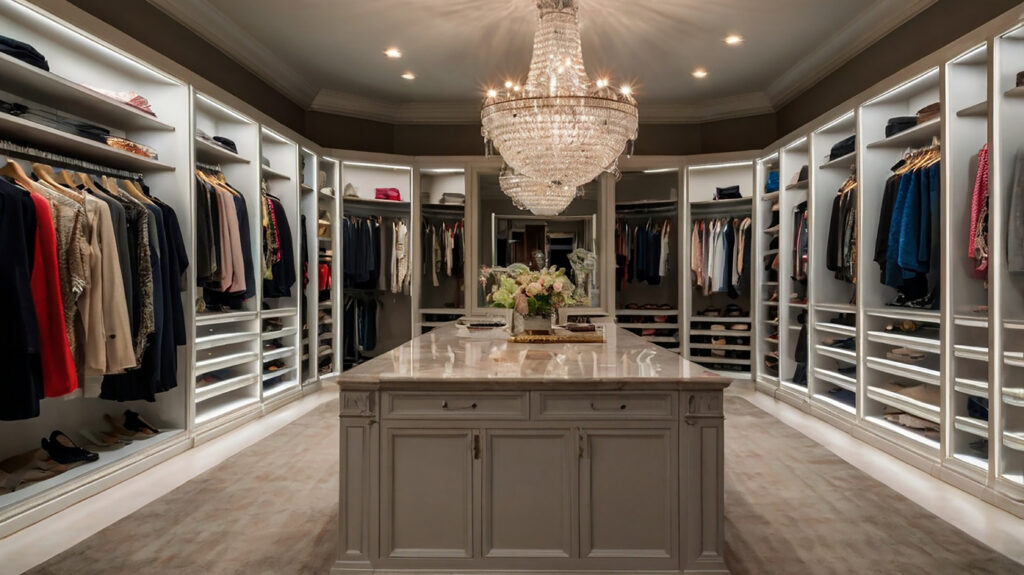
[
  {"x": 626, "y": 90},
  {"x": 508, "y": 83},
  {"x": 492, "y": 93}
]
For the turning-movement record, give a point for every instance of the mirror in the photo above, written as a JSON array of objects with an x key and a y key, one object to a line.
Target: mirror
[{"x": 518, "y": 236}]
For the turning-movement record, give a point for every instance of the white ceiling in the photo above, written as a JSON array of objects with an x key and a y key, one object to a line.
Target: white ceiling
[{"x": 327, "y": 55}]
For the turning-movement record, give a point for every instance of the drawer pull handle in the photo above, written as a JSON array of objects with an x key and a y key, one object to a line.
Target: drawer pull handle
[
  {"x": 444, "y": 405},
  {"x": 594, "y": 407}
]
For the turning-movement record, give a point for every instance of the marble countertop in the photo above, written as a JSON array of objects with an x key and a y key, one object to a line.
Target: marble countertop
[{"x": 445, "y": 357}]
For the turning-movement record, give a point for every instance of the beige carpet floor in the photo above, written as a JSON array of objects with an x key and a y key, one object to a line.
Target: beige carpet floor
[{"x": 792, "y": 508}]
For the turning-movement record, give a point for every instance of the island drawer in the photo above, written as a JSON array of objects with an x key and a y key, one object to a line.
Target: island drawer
[
  {"x": 597, "y": 405},
  {"x": 445, "y": 405}
]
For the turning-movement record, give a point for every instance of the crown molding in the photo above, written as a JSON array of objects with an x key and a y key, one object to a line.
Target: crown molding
[
  {"x": 215, "y": 27},
  {"x": 873, "y": 24},
  {"x": 337, "y": 102}
]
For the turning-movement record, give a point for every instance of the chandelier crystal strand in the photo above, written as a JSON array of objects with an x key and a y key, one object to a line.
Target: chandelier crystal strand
[{"x": 558, "y": 129}]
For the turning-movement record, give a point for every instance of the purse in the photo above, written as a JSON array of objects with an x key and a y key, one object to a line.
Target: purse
[{"x": 729, "y": 193}]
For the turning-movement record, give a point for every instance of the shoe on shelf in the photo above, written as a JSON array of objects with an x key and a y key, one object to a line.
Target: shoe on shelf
[
  {"x": 123, "y": 434},
  {"x": 100, "y": 441},
  {"x": 841, "y": 343},
  {"x": 60, "y": 447},
  {"x": 134, "y": 422},
  {"x": 774, "y": 296},
  {"x": 905, "y": 355}
]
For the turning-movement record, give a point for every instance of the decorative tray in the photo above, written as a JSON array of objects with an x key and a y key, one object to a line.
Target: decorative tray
[{"x": 558, "y": 336}]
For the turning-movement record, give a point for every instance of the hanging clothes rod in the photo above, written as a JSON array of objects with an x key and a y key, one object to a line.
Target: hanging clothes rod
[
  {"x": 209, "y": 167},
  {"x": 61, "y": 161}
]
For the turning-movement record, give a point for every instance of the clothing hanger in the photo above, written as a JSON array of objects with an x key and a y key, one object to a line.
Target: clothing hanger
[
  {"x": 13, "y": 171},
  {"x": 69, "y": 179},
  {"x": 45, "y": 173},
  {"x": 88, "y": 183}
]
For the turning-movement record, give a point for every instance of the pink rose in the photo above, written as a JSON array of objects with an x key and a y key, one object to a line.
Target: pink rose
[
  {"x": 534, "y": 289},
  {"x": 557, "y": 287}
]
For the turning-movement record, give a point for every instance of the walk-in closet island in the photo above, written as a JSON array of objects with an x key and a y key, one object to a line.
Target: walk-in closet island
[{"x": 477, "y": 453}]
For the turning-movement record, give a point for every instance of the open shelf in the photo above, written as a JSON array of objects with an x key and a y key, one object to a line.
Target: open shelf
[
  {"x": 209, "y": 151},
  {"x": 924, "y": 344},
  {"x": 278, "y": 373},
  {"x": 979, "y": 110},
  {"x": 971, "y": 352},
  {"x": 919, "y": 135},
  {"x": 902, "y": 313},
  {"x": 279, "y": 312},
  {"x": 278, "y": 353},
  {"x": 836, "y": 307},
  {"x": 285, "y": 332},
  {"x": 839, "y": 380},
  {"x": 33, "y": 134},
  {"x": 978, "y": 427},
  {"x": 903, "y": 432},
  {"x": 770, "y": 197},
  {"x": 219, "y": 340},
  {"x": 908, "y": 371},
  {"x": 212, "y": 390},
  {"x": 837, "y": 353},
  {"x": 906, "y": 404},
  {"x": 213, "y": 318},
  {"x": 974, "y": 387},
  {"x": 215, "y": 412},
  {"x": 213, "y": 364},
  {"x": 843, "y": 162},
  {"x": 836, "y": 328},
  {"x": 62, "y": 94},
  {"x": 272, "y": 174}
]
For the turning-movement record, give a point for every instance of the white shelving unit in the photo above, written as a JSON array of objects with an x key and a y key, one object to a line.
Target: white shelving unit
[
  {"x": 438, "y": 187},
  {"x": 650, "y": 309},
  {"x": 731, "y": 350},
  {"x": 76, "y": 57},
  {"x": 280, "y": 160},
  {"x": 396, "y": 310}
]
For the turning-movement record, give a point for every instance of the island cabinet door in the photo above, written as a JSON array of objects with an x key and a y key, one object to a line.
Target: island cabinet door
[
  {"x": 629, "y": 514},
  {"x": 427, "y": 493},
  {"x": 527, "y": 493}
]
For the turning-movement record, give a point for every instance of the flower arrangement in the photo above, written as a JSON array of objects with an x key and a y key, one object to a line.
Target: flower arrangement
[{"x": 528, "y": 293}]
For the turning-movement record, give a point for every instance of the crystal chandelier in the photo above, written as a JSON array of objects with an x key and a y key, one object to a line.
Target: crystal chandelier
[
  {"x": 558, "y": 131},
  {"x": 540, "y": 198}
]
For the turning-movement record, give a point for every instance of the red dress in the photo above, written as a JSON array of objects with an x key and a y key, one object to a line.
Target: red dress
[{"x": 59, "y": 374}]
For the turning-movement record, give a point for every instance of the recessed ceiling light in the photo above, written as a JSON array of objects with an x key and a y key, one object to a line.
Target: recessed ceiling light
[
  {"x": 393, "y": 53},
  {"x": 733, "y": 39},
  {"x": 700, "y": 73},
  {"x": 409, "y": 76}
]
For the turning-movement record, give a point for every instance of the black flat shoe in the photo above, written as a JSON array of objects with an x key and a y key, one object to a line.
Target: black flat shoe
[{"x": 62, "y": 450}]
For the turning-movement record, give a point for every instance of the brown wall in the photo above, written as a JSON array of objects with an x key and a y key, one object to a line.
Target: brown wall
[
  {"x": 147, "y": 24},
  {"x": 940, "y": 24}
]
